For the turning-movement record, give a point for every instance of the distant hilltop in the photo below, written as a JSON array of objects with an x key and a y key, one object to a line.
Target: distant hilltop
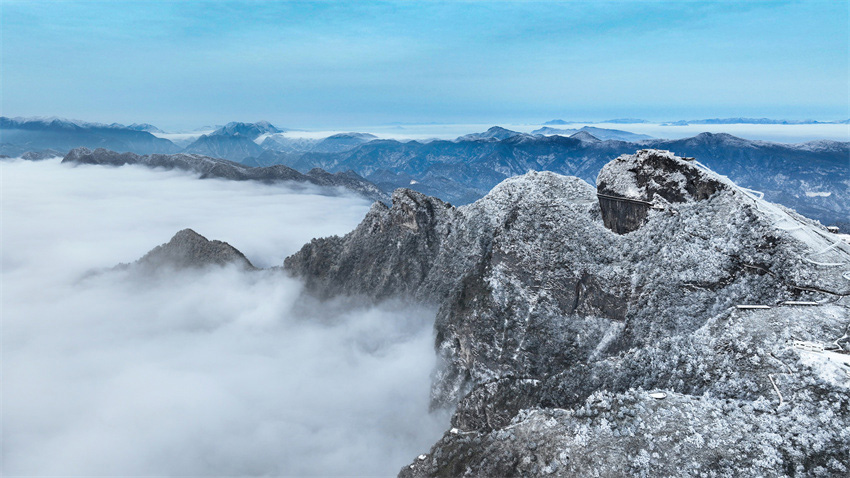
[
  {"x": 560, "y": 122},
  {"x": 752, "y": 121}
]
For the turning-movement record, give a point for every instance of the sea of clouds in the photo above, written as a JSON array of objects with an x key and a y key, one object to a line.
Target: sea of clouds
[{"x": 214, "y": 372}]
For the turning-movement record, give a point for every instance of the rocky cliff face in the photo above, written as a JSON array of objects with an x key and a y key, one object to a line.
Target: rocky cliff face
[
  {"x": 553, "y": 324},
  {"x": 209, "y": 167}
]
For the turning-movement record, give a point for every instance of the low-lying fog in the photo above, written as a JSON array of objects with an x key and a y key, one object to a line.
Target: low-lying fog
[{"x": 213, "y": 373}]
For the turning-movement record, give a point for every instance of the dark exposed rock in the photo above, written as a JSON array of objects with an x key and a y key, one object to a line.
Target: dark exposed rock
[
  {"x": 547, "y": 318},
  {"x": 221, "y": 168},
  {"x": 622, "y": 215},
  {"x": 189, "y": 250}
]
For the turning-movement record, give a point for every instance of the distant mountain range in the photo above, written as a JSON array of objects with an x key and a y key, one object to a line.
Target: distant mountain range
[
  {"x": 332, "y": 144},
  {"x": 560, "y": 122},
  {"x": 752, "y": 121},
  {"x": 234, "y": 141},
  {"x": 209, "y": 167},
  {"x": 809, "y": 177},
  {"x": 20, "y": 135},
  {"x": 142, "y": 127},
  {"x": 598, "y": 133},
  {"x": 232, "y": 147}
]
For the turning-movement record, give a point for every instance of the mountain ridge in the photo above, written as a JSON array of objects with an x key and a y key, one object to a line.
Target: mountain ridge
[
  {"x": 209, "y": 167},
  {"x": 553, "y": 328},
  {"x": 453, "y": 169}
]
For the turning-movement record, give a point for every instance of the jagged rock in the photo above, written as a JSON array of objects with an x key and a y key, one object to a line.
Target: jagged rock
[
  {"x": 393, "y": 252},
  {"x": 188, "y": 249},
  {"x": 221, "y": 168},
  {"x": 541, "y": 306},
  {"x": 628, "y": 186}
]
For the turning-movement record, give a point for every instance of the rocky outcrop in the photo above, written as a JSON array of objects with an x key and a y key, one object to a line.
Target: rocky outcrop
[
  {"x": 190, "y": 250},
  {"x": 398, "y": 251},
  {"x": 209, "y": 167},
  {"x": 544, "y": 311},
  {"x": 632, "y": 184}
]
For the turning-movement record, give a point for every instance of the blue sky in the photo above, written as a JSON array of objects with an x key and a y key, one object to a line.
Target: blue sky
[{"x": 329, "y": 64}]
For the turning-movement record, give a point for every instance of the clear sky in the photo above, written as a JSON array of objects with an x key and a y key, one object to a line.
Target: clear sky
[{"x": 326, "y": 64}]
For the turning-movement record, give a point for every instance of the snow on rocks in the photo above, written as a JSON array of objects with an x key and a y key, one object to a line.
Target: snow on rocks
[{"x": 542, "y": 306}]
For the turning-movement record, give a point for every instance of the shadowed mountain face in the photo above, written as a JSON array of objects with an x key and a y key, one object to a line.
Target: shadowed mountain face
[
  {"x": 231, "y": 147},
  {"x": 220, "y": 168},
  {"x": 556, "y": 322}
]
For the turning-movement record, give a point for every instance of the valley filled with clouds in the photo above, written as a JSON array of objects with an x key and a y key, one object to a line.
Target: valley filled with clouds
[{"x": 212, "y": 371}]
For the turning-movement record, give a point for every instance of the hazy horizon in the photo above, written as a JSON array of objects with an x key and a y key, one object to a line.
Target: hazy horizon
[{"x": 782, "y": 133}]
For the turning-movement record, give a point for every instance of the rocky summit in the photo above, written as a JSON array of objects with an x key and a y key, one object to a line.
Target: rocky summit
[
  {"x": 190, "y": 250},
  {"x": 665, "y": 323},
  {"x": 632, "y": 184}
]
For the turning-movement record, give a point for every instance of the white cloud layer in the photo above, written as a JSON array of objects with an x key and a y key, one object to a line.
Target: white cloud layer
[{"x": 213, "y": 373}]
